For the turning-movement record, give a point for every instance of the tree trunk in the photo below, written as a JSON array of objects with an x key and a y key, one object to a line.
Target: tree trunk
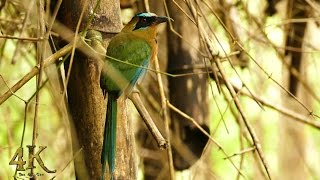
[{"x": 86, "y": 101}]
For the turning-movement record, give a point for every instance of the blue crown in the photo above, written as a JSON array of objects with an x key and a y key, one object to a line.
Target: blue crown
[{"x": 146, "y": 14}]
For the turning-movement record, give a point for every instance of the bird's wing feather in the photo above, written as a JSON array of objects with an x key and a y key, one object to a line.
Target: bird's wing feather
[{"x": 129, "y": 50}]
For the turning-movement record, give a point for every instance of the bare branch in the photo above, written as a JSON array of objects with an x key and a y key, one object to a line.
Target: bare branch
[{"x": 135, "y": 98}]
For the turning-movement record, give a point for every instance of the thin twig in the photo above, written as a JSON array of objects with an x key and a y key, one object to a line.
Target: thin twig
[
  {"x": 74, "y": 47},
  {"x": 16, "y": 21},
  {"x": 166, "y": 118},
  {"x": 23, "y": 130},
  {"x": 52, "y": 19},
  {"x": 13, "y": 93},
  {"x": 241, "y": 152},
  {"x": 40, "y": 59},
  {"x": 20, "y": 38}
]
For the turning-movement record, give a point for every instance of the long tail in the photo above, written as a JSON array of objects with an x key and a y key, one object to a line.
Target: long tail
[{"x": 110, "y": 134}]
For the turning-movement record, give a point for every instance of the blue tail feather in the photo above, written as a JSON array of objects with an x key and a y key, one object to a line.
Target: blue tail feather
[{"x": 110, "y": 132}]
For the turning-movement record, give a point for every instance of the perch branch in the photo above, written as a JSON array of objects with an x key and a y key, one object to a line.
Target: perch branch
[{"x": 135, "y": 98}]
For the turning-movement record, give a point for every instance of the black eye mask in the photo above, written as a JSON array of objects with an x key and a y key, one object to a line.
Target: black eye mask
[{"x": 144, "y": 22}]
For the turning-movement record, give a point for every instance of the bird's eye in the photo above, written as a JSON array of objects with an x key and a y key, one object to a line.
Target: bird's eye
[{"x": 144, "y": 20}]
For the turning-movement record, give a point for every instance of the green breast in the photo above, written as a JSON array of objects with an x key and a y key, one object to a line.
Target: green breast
[{"x": 127, "y": 49}]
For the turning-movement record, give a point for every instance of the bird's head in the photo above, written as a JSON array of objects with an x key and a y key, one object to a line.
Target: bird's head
[{"x": 144, "y": 24}]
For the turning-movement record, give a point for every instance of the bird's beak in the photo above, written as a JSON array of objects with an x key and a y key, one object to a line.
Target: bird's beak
[{"x": 162, "y": 19}]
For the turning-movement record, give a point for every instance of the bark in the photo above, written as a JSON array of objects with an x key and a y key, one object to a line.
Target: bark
[
  {"x": 85, "y": 98},
  {"x": 87, "y": 109}
]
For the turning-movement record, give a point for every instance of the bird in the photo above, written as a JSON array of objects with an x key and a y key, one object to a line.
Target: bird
[{"x": 129, "y": 52}]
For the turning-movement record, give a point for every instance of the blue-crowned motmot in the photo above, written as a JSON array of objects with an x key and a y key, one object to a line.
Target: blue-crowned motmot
[{"x": 135, "y": 46}]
